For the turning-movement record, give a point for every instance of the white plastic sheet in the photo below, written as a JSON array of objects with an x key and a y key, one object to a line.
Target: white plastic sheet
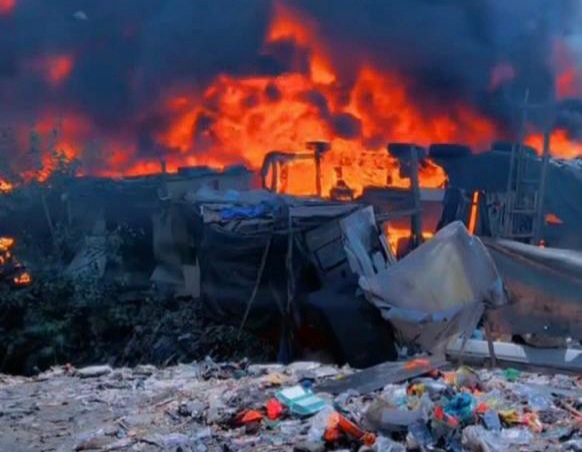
[{"x": 439, "y": 290}]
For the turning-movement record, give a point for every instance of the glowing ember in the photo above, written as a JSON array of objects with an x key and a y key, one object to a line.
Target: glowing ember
[
  {"x": 474, "y": 213},
  {"x": 23, "y": 279},
  {"x": 552, "y": 218},
  {"x": 6, "y": 243},
  {"x": 5, "y": 186}
]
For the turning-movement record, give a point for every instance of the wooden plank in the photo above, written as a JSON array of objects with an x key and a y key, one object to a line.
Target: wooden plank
[
  {"x": 331, "y": 255},
  {"x": 376, "y": 377},
  {"x": 322, "y": 235}
]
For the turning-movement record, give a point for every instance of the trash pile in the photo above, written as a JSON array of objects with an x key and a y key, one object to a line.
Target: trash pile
[{"x": 207, "y": 406}]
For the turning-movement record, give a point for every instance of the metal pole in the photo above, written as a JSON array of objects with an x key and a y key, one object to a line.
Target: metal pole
[
  {"x": 516, "y": 149},
  {"x": 542, "y": 189},
  {"x": 416, "y": 219}
]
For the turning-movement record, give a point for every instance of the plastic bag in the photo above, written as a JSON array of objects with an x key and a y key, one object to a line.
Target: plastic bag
[
  {"x": 319, "y": 424},
  {"x": 536, "y": 399},
  {"x": 462, "y": 406}
]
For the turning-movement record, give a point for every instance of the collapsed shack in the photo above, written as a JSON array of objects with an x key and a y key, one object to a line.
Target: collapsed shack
[
  {"x": 306, "y": 274},
  {"x": 276, "y": 265}
]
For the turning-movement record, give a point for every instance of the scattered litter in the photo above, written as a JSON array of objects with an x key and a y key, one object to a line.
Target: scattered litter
[
  {"x": 511, "y": 374},
  {"x": 385, "y": 418},
  {"x": 491, "y": 420},
  {"x": 231, "y": 406},
  {"x": 462, "y": 407}
]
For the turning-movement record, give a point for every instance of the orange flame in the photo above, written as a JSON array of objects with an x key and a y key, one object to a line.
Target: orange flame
[
  {"x": 6, "y": 7},
  {"x": 6, "y": 244},
  {"x": 560, "y": 144},
  {"x": 396, "y": 233},
  {"x": 23, "y": 279},
  {"x": 474, "y": 213},
  {"x": 5, "y": 186},
  {"x": 552, "y": 218},
  {"x": 59, "y": 68},
  {"x": 239, "y": 119}
]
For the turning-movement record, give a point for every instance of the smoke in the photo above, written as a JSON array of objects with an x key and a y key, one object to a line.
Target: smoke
[
  {"x": 119, "y": 61},
  {"x": 451, "y": 47}
]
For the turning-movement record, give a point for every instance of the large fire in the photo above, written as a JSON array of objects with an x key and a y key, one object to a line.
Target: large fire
[
  {"x": 561, "y": 145},
  {"x": 6, "y": 6},
  {"x": 239, "y": 119}
]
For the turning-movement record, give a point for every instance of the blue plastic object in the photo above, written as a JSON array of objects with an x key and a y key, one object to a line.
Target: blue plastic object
[{"x": 300, "y": 400}]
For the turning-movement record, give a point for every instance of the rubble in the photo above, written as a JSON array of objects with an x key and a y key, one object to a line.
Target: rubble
[{"x": 241, "y": 408}]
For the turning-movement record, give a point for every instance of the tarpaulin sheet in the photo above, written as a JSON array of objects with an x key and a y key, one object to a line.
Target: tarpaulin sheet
[
  {"x": 545, "y": 289},
  {"x": 438, "y": 290},
  {"x": 230, "y": 252}
]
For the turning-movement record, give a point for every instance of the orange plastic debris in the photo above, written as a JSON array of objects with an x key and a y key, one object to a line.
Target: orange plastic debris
[
  {"x": 416, "y": 363},
  {"x": 332, "y": 431},
  {"x": 338, "y": 424},
  {"x": 532, "y": 420},
  {"x": 482, "y": 408},
  {"x": 416, "y": 389},
  {"x": 274, "y": 409},
  {"x": 353, "y": 430},
  {"x": 249, "y": 416},
  {"x": 440, "y": 415}
]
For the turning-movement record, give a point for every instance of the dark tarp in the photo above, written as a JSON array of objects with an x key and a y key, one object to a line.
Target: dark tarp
[{"x": 230, "y": 240}]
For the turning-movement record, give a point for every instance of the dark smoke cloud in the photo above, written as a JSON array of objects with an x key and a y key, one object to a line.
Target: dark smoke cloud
[
  {"x": 449, "y": 47},
  {"x": 569, "y": 116},
  {"x": 129, "y": 54}
]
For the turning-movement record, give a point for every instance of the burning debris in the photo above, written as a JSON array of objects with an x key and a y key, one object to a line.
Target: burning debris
[
  {"x": 11, "y": 270},
  {"x": 276, "y": 80}
]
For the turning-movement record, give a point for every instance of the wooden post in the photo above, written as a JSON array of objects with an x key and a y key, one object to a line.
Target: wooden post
[{"x": 319, "y": 148}]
